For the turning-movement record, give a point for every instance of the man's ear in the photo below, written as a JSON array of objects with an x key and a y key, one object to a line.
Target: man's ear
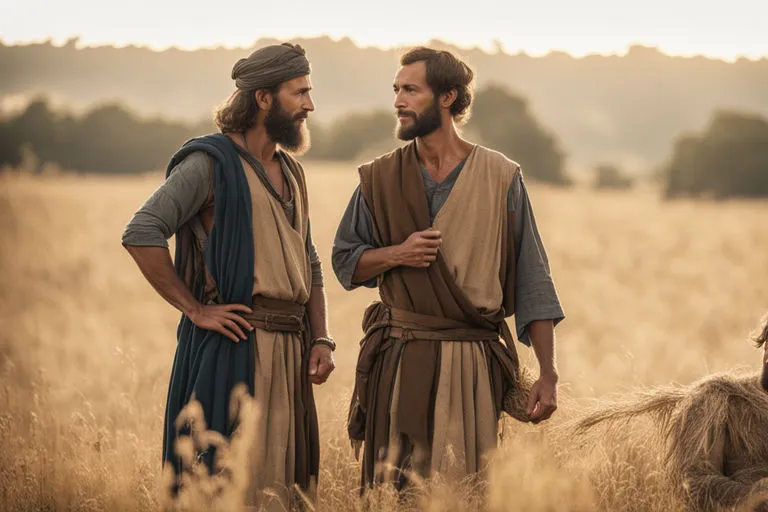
[
  {"x": 264, "y": 99},
  {"x": 447, "y": 98}
]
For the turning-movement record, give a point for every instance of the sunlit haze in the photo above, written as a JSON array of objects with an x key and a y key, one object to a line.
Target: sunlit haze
[{"x": 738, "y": 28}]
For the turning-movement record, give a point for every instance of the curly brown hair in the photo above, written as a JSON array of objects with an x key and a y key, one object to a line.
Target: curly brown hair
[{"x": 445, "y": 72}]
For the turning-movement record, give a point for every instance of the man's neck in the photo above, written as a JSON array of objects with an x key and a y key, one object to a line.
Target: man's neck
[
  {"x": 259, "y": 144},
  {"x": 442, "y": 148}
]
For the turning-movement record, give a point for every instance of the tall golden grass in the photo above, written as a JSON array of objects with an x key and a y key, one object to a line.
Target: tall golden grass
[{"x": 654, "y": 293}]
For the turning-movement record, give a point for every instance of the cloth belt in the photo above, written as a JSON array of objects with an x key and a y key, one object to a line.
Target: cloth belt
[
  {"x": 410, "y": 326},
  {"x": 276, "y": 315}
]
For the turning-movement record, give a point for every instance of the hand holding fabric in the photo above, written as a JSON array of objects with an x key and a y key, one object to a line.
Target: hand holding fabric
[{"x": 420, "y": 249}]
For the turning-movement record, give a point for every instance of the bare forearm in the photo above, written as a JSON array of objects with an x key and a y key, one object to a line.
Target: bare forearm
[
  {"x": 156, "y": 265},
  {"x": 374, "y": 262},
  {"x": 542, "y": 333},
  {"x": 419, "y": 250},
  {"x": 318, "y": 319}
]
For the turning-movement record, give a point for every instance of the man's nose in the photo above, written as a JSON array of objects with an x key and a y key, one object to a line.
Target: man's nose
[{"x": 400, "y": 103}]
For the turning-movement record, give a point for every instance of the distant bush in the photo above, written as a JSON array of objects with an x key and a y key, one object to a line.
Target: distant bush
[
  {"x": 608, "y": 176},
  {"x": 730, "y": 159},
  {"x": 345, "y": 138},
  {"x": 503, "y": 122},
  {"x": 108, "y": 138}
]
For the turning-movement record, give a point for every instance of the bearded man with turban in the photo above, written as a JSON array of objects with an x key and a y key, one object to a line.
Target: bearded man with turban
[{"x": 247, "y": 277}]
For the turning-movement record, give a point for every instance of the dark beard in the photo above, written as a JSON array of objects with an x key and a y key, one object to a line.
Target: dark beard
[
  {"x": 282, "y": 128},
  {"x": 423, "y": 124},
  {"x": 764, "y": 377}
]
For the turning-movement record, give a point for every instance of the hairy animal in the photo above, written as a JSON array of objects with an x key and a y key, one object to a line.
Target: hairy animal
[{"x": 713, "y": 437}]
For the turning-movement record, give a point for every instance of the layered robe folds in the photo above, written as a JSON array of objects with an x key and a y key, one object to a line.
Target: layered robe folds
[
  {"x": 433, "y": 373},
  {"x": 249, "y": 253}
]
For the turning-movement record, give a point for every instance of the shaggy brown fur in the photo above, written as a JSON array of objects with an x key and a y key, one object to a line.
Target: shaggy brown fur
[
  {"x": 760, "y": 340},
  {"x": 714, "y": 437}
]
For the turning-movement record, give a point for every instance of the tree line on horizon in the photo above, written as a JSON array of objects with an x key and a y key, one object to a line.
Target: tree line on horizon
[
  {"x": 729, "y": 159},
  {"x": 621, "y": 108},
  {"x": 112, "y": 139}
]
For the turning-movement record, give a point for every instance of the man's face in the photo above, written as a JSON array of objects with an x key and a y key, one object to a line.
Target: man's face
[
  {"x": 418, "y": 111},
  {"x": 286, "y": 119}
]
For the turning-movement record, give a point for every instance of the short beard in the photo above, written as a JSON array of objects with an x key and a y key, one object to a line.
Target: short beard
[
  {"x": 423, "y": 124},
  {"x": 282, "y": 129}
]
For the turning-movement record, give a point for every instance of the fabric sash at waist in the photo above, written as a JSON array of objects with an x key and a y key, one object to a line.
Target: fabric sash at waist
[
  {"x": 408, "y": 325},
  {"x": 275, "y": 315},
  {"x": 389, "y": 332}
]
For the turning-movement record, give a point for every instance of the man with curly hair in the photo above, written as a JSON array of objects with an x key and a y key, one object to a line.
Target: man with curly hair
[{"x": 445, "y": 229}]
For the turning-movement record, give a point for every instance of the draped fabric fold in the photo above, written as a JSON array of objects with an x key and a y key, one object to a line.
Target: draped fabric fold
[
  {"x": 273, "y": 362},
  {"x": 423, "y": 312}
]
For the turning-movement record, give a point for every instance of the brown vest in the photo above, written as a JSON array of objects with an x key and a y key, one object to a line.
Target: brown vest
[
  {"x": 393, "y": 188},
  {"x": 420, "y": 306}
]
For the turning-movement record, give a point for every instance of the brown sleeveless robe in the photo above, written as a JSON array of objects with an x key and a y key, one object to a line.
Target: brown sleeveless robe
[{"x": 432, "y": 374}]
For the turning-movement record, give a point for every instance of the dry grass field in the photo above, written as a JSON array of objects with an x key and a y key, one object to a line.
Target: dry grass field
[{"x": 654, "y": 293}]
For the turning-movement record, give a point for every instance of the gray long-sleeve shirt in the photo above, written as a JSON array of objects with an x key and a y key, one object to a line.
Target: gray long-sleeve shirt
[
  {"x": 180, "y": 198},
  {"x": 535, "y": 294}
]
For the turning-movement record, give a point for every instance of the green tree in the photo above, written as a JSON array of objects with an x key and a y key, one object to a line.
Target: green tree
[
  {"x": 37, "y": 128},
  {"x": 504, "y": 123},
  {"x": 108, "y": 138},
  {"x": 730, "y": 159},
  {"x": 10, "y": 145}
]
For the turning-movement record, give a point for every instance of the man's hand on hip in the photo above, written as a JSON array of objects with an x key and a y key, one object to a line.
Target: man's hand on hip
[
  {"x": 321, "y": 363},
  {"x": 543, "y": 399},
  {"x": 223, "y": 319}
]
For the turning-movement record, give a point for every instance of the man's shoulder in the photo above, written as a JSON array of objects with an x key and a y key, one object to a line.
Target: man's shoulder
[
  {"x": 498, "y": 160},
  {"x": 206, "y": 143},
  {"x": 191, "y": 165},
  {"x": 214, "y": 144},
  {"x": 385, "y": 161},
  {"x": 195, "y": 159}
]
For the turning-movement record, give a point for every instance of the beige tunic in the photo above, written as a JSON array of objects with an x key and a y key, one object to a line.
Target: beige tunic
[
  {"x": 465, "y": 425},
  {"x": 282, "y": 271}
]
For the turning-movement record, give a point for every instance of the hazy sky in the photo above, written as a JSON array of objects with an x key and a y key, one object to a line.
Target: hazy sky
[{"x": 683, "y": 27}]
